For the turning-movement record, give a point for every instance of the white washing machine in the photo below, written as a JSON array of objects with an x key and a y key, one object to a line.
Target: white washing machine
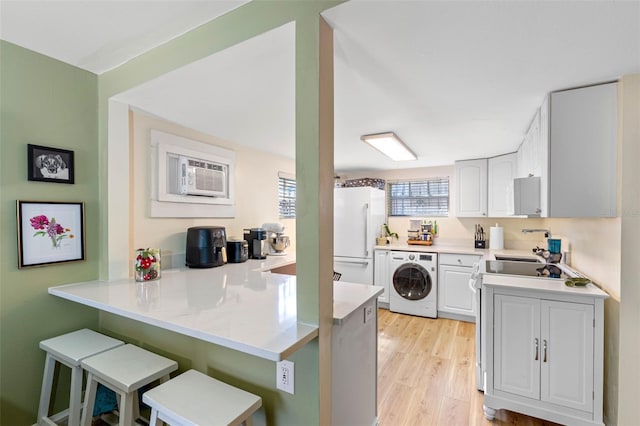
[{"x": 414, "y": 283}]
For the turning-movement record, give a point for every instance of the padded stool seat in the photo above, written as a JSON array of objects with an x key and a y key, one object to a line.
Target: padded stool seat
[
  {"x": 69, "y": 349},
  {"x": 124, "y": 370},
  {"x": 193, "y": 398}
]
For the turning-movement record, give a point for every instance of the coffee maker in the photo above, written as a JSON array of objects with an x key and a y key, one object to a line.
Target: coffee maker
[
  {"x": 257, "y": 239},
  {"x": 278, "y": 242}
]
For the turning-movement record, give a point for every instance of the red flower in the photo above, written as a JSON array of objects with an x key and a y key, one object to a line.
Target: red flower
[{"x": 39, "y": 222}]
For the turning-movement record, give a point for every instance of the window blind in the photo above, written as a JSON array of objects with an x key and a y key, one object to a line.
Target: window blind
[
  {"x": 287, "y": 196},
  {"x": 428, "y": 197}
]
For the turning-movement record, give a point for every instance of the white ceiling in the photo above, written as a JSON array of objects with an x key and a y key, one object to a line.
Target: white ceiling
[
  {"x": 99, "y": 35},
  {"x": 454, "y": 80}
]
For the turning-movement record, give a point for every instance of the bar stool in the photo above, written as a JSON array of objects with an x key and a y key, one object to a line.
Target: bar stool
[
  {"x": 124, "y": 370},
  {"x": 69, "y": 349},
  {"x": 193, "y": 398}
]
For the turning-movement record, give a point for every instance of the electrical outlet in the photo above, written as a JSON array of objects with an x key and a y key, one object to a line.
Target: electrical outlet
[
  {"x": 368, "y": 313},
  {"x": 285, "y": 377}
]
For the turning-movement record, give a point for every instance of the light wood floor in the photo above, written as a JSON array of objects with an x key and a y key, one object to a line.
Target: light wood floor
[{"x": 426, "y": 374}]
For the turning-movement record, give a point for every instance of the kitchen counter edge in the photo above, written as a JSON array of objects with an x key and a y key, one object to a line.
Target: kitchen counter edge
[{"x": 348, "y": 299}]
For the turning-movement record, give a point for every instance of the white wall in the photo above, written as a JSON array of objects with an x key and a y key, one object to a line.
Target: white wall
[{"x": 256, "y": 191}]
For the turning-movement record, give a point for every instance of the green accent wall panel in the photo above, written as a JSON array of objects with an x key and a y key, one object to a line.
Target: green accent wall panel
[
  {"x": 43, "y": 102},
  {"x": 47, "y": 102}
]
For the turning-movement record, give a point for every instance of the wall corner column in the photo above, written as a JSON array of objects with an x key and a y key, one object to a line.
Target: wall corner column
[{"x": 314, "y": 179}]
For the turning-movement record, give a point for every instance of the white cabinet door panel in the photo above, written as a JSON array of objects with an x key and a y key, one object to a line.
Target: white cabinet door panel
[
  {"x": 502, "y": 170},
  {"x": 381, "y": 273},
  {"x": 567, "y": 360},
  {"x": 454, "y": 294},
  {"x": 517, "y": 345},
  {"x": 583, "y": 152},
  {"x": 471, "y": 185}
]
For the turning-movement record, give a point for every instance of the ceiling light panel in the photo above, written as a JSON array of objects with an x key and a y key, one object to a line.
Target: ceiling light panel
[{"x": 390, "y": 145}]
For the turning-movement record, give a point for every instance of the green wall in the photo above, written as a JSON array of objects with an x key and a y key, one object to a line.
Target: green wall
[
  {"x": 43, "y": 102},
  {"x": 46, "y": 102}
]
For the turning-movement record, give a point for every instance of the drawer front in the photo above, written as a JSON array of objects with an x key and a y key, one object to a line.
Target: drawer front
[{"x": 459, "y": 259}]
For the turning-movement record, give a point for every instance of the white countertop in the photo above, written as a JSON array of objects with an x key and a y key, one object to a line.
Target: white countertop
[
  {"x": 348, "y": 298},
  {"x": 502, "y": 280},
  {"x": 241, "y": 306},
  {"x": 434, "y": 248},
  {"x": 551, "y": 285},
  {"x": 438, "y": 247},
  {"x": 544, "y": 284}
]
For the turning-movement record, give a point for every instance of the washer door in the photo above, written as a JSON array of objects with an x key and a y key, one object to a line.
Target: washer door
[{"x": 412, "y": 282}]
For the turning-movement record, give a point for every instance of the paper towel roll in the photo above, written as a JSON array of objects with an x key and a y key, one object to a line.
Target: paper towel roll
[{"x": 496, "y": 237}]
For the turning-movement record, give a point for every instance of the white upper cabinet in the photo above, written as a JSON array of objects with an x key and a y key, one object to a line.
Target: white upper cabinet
[
  {"x": 571, "y": 145},
  {"x": 583, "y": 152},
  {"x": 502, "y": 171},
  {"x": 471, "y": 188},
  {"x": 543, "y": 146},
  {"x": 532, "y": 158},
  {"x": 484, "y": 187},
  {"x": 528, "y": 156}
]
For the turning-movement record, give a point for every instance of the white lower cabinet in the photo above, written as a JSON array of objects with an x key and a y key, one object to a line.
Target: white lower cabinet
[
  {"x": 456, "y": 299},
  {"x": 381, "y": 274},
  {"x": 354, "y": 384},
  {"x": 544, "y": 356}
]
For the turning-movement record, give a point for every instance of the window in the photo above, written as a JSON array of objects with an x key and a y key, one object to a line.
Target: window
[
  {"x": 429, "y": 197},
  {"x": 286, "y": 195}
]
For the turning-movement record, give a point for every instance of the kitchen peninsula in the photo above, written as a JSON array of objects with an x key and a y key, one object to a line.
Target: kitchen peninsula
[{"x": 242, "y": 306}]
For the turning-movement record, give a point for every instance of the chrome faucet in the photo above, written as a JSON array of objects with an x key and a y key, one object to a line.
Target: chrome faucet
[{"x": 547, "y": 233}]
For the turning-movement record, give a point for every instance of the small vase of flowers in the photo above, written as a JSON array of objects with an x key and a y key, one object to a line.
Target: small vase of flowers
[{"x": 147, "y": 264}]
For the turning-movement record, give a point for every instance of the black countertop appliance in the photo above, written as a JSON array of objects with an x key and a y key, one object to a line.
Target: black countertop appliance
[
  {"x": 206, "y": 247},
  {"x": 257, "y": 239},
  {"x": 237, "y": 251}
]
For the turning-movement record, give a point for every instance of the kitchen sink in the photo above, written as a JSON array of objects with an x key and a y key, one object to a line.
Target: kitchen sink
[
  {"x": 527, "y": 269},
  {"x": 517, "y": 258}
]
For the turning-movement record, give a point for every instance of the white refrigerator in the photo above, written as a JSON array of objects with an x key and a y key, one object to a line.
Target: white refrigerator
[{"x": 359, "y": 214}]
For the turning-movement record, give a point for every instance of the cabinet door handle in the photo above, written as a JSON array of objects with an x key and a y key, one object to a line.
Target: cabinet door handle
[
  {"x": 536, "y": 357},
  {"x": 544, "y": 346}
]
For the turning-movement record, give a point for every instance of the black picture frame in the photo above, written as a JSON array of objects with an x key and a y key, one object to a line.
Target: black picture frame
[
  {"x": 50, "y": 232},
  {"x": 46, "y": 164}
]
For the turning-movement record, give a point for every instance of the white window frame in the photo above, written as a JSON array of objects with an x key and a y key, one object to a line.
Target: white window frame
[
  {"x": 414, "y": 203},
  {"x": 286, "y": 201}
]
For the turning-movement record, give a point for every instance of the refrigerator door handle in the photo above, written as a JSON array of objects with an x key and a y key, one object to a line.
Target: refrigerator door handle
[
  {"x": 366, "y": 227},
  {"x": 353, "y": 262}
]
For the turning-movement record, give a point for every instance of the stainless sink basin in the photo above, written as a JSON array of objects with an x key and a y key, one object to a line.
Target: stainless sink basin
[
  {"x": 517, "y": 258},
  {"x": 527, "y": 269}
]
